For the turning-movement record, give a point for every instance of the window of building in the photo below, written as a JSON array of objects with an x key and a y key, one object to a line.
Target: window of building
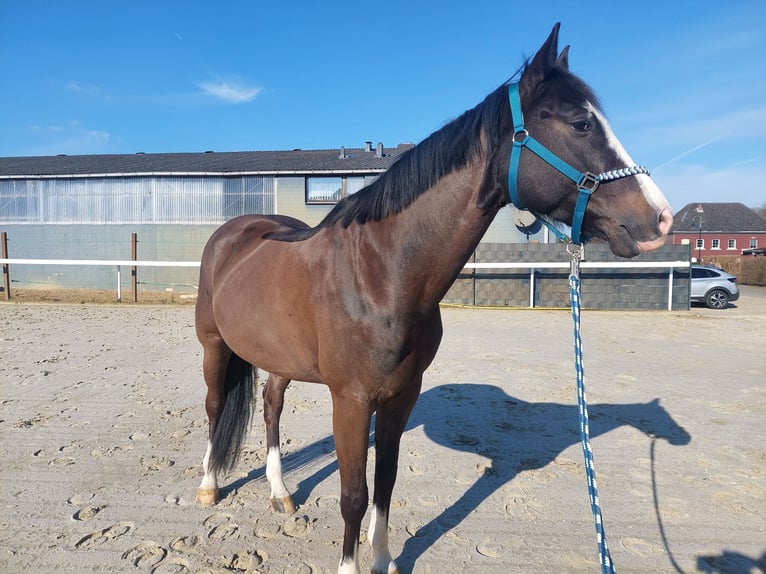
[
  {"x": 323, "y": 189},
  {"x": 329, "y": 190},
  {"x": 700, "y": 244},
  {"x": 753, "y": 243},
  {"x": 732, "y": 244},
  {"x": 715, "y": 244}
]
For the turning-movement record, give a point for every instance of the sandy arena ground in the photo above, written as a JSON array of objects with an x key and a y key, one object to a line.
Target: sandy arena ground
[{"x": 102, "y": 431}]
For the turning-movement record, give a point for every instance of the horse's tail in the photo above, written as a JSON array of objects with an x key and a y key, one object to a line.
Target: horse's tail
[{"x": 234, "y": 419}]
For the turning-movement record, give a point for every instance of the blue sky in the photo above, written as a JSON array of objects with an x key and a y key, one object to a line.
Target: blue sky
[{"x": 683, "y": 82}]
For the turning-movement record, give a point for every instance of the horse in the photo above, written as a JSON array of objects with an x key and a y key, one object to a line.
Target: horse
[{"x": 353, "y": 303}]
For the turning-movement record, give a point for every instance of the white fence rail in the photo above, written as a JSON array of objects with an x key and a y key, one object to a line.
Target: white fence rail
[{"x": 532, "y": 266}]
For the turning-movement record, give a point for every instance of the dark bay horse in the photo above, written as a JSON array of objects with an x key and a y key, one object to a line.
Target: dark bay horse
[{"x": 353, "y": 303}]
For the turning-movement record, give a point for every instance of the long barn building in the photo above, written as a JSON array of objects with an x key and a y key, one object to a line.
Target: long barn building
[{"x": 87, "y": 207}]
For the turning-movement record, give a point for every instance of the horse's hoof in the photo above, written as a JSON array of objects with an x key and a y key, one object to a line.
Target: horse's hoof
[
  {"x": 283, "y": 505},
  {"x": 206, "y": 496},
  {"x": 392, "y": 569}
]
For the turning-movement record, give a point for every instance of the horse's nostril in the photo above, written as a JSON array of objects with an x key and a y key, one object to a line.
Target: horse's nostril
[{"x": 666, "y": 221}]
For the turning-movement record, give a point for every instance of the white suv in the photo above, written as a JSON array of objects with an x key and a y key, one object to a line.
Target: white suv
[{"x": 713, "y": 286}]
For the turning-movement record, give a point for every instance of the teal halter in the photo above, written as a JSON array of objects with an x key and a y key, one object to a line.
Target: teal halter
[{"x": 586, "y": 182}]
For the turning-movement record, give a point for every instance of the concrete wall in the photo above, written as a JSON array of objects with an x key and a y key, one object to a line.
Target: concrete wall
[
  {"x": 155, "y": 243},
  {"x": 601, "y": 288}
]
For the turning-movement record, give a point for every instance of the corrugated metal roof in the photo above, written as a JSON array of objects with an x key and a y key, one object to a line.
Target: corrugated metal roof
[
  {"x": 721, "y": 217},
  {"x": 295, "y": 161}
]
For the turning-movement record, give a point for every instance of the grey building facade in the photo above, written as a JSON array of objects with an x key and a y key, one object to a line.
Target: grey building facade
[{"x": 87, "y": 207}]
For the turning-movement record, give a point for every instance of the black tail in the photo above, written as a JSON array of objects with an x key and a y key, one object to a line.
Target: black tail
[{"x": 232, "y": 423}]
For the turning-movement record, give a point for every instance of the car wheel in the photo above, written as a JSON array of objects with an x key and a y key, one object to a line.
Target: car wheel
[{"x": 717, "y": 299}]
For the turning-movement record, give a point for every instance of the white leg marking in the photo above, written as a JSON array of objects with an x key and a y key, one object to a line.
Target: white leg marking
[
  {"x": 274, "y": 474},
  {"x": 350, "y": 565},
  {"x": 209, "y": 479},
  {"x": 378, "y": 538}
]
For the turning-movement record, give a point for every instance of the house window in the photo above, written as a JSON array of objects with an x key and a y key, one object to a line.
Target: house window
[
  {"x": 700, "y": 244},
  {"x": 753, "y": 243},
  {"x": 353, "y": 184},
  {"x": 323, "y": 189},
  {"x": 329, "y": 190},
  {"x": 732, "y": 244},
  {"x": 715, "y": 244}
]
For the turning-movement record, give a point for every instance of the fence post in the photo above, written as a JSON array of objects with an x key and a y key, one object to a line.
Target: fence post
[
  {"x": 134, "y": 257},
  {"x": 6, "y": 271}
]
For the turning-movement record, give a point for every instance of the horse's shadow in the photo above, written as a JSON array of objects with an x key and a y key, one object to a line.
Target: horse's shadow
[
  {"x": 514, "y": 434},
  {"x": 517, "y": 436}
]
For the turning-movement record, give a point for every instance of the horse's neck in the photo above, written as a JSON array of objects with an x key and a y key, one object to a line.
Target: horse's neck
[{"x": 434, "y": 237}]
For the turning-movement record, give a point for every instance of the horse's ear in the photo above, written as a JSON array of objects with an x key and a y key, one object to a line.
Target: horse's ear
[
  {"x": 563, "y": 59},
  {"x": 543, "y": 62}
]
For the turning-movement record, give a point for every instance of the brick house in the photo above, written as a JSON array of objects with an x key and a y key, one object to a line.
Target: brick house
[{"x": 718, "y": 229}]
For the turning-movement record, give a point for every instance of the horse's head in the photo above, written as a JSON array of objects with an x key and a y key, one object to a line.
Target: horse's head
[
  {"x": 650, "y": 418},
  {"x": 561, "y": 112}
]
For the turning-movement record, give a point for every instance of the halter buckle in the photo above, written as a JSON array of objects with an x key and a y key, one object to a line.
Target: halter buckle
[{"x": 589, "y": 181}]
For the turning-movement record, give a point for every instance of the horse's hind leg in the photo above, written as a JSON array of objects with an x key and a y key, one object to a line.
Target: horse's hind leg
[
  {"x": 273, "y": 401},
  {"x": 390, "y": 419},
  {"x": 216, "y": 357}
]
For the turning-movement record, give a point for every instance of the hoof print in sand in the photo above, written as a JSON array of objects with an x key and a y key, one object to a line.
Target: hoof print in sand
[
  {"x": 155, "y": 463},
  {"x": 185, "y": 544},
  {"x": 105, "y": 535},
  {"x": 220, "y": 526},
  {"x": 86, "y": 513},
  {"x": 145, "y": 555},
  {"x": 296, "y": 527}
]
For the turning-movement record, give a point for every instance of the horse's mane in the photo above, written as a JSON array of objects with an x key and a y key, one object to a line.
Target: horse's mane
[{"x": 444, "y": 151}]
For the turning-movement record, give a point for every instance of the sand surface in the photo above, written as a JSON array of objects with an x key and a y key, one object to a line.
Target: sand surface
[{"x": 102, "y": 431}]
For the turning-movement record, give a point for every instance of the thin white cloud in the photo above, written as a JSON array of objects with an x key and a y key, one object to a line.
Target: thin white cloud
[
  {"x": 696, "y": 183},
  {"x": 686, "y": 153},
  {"x": 82, "y": 88},
  {"x": 230, "y": 92},
  {"x": 742, "y": 123},
  {"x": 71, "y": 139}
]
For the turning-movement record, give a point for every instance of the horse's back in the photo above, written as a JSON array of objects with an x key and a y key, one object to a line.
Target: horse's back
[
  {"x": 239, "y": 236},
  {"x": 233, "y": 242}
]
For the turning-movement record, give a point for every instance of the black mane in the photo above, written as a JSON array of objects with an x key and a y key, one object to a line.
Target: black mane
[
  {"x": 441, "y": 153},
  {"x": 418, "y": 169}
]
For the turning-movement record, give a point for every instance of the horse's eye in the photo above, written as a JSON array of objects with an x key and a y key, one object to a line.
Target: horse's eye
[{"x": 582, "y": 126}]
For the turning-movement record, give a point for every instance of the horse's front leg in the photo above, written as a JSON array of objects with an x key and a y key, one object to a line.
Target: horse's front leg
[
  {"x": 390, "y": 420},
  {"x": 351, "y": 429},
  {"x": 273, "y": 401}
]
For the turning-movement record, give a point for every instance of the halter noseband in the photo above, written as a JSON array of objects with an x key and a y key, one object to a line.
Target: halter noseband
[{"x": 586, "y": 182}]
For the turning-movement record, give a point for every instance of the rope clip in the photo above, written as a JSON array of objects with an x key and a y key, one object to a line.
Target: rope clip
[{"x": 575, "y": 250}]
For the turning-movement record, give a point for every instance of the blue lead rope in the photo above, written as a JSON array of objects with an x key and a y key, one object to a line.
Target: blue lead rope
[{"x": 607, "y": 566}]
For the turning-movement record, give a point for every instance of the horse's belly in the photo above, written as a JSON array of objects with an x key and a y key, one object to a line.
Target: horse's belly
[{"x": 261, "y": 324}]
